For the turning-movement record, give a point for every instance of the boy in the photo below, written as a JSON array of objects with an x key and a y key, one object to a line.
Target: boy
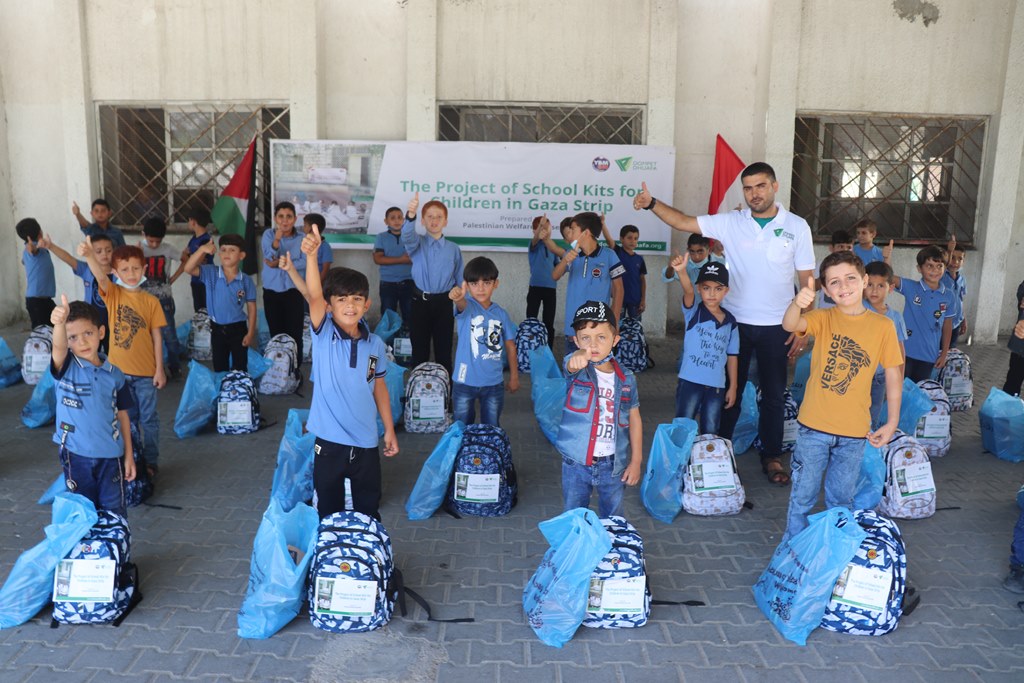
[
  {"x": 325, "y": 255},
  {"x": 159, "y": 257},
  {"x": 698, "y": 249},
  {"x": 230, "y": 302},
  {"x": 486, "y": 334},
  {"x": 711, "y": 346},
  {"x": 436, "y": 268},
  {"x": 348, "y": 390},
  {"x": 396, "y": 283},
  {"x": 543, "y": 255},
  {"x": 198, "y": 221},
  {"x": 137, "y": 342},
  {"x": 835, "y": 414},
  {"x": 595, "y": 277},
  {"x": 601, "y": 434},
  {"x": 840, "y": 242},
  {"x": 865, "y": 230},
  {"x": 879, "y": 285},
  {"x": 634, "y": 276},
  {"x": 100, "y": 225},
  {"x": 40, "y": 285},
  {"x": 92, "y": 397},
  {"x": 929, "y": 311},
  {"x": 955, "y": 254},
  {"x": 103, "y": 249},
  {"x": 1015, "y": 372}
]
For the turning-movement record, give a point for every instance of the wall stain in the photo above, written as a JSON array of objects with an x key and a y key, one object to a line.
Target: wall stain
[{"x": 910, "y": 10}]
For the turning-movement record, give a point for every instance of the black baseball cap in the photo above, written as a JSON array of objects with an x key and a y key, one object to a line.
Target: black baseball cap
[
  {"x": 593, "y": 312},
  {"x": 713, "y": 271}
]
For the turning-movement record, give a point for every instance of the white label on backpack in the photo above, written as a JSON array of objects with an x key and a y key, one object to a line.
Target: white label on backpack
[
  {"x": 349, "y": 505},
  {"x": 620, "y": 596},
  {"x": 403, "y": 346},
  {"x": 37, "y": 362},
  {"x": 863, "y": 587},
  {"x": 477, "y": 488},
  {"x": 428, "y": 408},
  {"x": 934, "y": 426},
  {"x": 713, "y": 476},
  {"x": 789, "y": 430},
  {"x": 345, "y": 597},
  {"x": 201, "y": 339},
  {"x": 234, "y": 413},
  {"x": 960, "y": 386},
  {"x": 914, "y": 480},
  {"x": 84, "y": 581}
]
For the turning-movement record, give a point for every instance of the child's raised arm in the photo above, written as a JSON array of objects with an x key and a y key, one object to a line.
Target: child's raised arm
[
  {"x": 102, "y": 279},
  {"x": 607, "y": 234},
  {"x": 83, "y": 223},
  {"x": 46, "y": 243},
  {"x": 59, "y": 343},
  {"x": 195, "y": 261},
  {"x": 314, "y": 293},
  {"x": 458, "y": 296},
  {"x": 793, "y": 320},
  {"x": 286, "y": 264},
  {"x": 678, "y": 264}
]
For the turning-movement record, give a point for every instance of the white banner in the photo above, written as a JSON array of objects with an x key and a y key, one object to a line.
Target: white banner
[{"x": 492, "y": 190}]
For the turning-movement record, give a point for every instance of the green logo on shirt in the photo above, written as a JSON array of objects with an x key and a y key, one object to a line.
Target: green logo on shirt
[{"x": 778, "y": 231}]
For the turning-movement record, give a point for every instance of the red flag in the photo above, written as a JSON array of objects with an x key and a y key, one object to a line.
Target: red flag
[{"x": 726, "y": 189}]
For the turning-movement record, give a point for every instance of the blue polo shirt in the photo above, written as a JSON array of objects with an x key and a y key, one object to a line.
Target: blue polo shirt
[
  {"x": 897, "y": 319},
  {"x": 88, "y": 398},
  {"x": 868, "y": 255},
  {"x": 436, "y": 264},
  {"x": 590, "y": 278},
  {"x": 226, "y": 301},
  {"x": 343, "y": 409},
  {"x": 115, "y": 234},
  {"x": 924, "y": 311},
  {"x": 480, "y": 355},
  {"x": 390, "y": 244},
  {"x": 542, "y": 262},
  {"x": 39, "y": 280},
  {"x": 707, "y": 344},
  {"x": 194, "y": 244},
  {"x": 325, "y": 254},
  {"x": 634, "y": 267},
  {"x": 92, "y": 292},
  {"x": 959, "y": 287},
  {"x": 275, "y": 279}
]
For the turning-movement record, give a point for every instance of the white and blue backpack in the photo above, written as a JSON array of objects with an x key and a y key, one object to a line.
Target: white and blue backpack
[
  {"x": 199, "y": 336},
  {"x": 96, "y": 583},
  {"x": 139, "y": 489},
  {"x": 281, "y": 377},
  {"x": 427, "y": 399},
  {"x": 933, "y": 429},
  {"x": 238, "y": 408},
  {"x": 484, "y": 482},
  {"x": 530, "y": 335},
  {"x": 711, "y": 485},
  {"x": 791, "y": 410},
  {"x": 352, "y": 578},
  {"x": 619, "y": 595},
  {"x": 868, "y": 598},
  {"x": 36, "y": 354},
  {"x": 632, "y": 351},
  {"x": 957, "y": 380},
  {"x": 909, "y": 490}
]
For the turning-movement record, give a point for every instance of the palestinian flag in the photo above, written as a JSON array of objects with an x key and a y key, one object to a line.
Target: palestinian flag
[
  {"x": 726, "y": 186},
  {"x": 234, "y": 212}
]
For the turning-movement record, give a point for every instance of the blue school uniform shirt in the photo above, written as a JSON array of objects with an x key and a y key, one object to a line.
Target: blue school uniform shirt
[
  {"x": 88, "y": 397},
  {"x": 436, "y": 264},
  {"x": 542, "y": 262},
  {"x": 868, "y": 255},
  {"x": 343, "y": 410},
  {"x": 634, "y": 266},
  {"x": 92, "y": 292},
  {"x": 924, "y": 311},
  {"x": 390, "y": 244},
  {"x": 226, "y": 301},
  {"x": 324, "y": 254},
  {"x": 115, "y": 234},
  {"x": 589, "y": 278},
  {"x": 275, "y": 279},
  {"x": 480, "y": 355},
  {"x": 959, "y": 287},
  {"x": 39, "y": 280},
  {"x": 707, "y": 344},
  {"x": 897, "y": 319},
  {"x": 193, "y": 245}
]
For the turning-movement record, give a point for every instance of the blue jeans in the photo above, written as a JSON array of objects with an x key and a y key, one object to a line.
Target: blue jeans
[
  {"x": 631, "y": 311},
  {"x": 170, "y": 335},
  {"x": 395, "y": 296},
  {"x": 101, "y": 480},
  {"x": 693, "y": 398},
  {"x": 578, "y": 480},
  {"x": 877, "y": 398},
  {"x": 765, "y": 345},
  {"x": 815, "y": 453},
  {"x": 145, "y": 416},
  {"x": 492, "y": 399}
]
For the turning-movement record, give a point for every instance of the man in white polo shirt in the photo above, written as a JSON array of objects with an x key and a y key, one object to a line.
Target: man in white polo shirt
[{"x": 765, "y": 245}]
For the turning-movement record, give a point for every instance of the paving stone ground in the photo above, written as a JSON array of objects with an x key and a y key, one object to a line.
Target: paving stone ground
[{"x": 194, "y": 567}]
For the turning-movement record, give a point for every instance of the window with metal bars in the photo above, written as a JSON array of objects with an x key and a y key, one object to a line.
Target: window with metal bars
[
  {"x": 916, "y": 177},
  {"x": 169, "y": 159},
  {"x": 526, "y": 122}
]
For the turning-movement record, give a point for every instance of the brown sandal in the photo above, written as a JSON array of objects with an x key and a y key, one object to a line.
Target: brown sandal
[{"x": 776, "y": 473}]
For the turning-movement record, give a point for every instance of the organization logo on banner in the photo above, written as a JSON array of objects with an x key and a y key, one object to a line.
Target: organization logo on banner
[
  {"x": 627, "y": 164},
  {"x": 600, "y": 164},
  {"x": 624, "y": 163}
]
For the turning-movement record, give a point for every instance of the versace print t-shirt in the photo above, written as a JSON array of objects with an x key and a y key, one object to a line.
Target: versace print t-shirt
[
  {"x": 847, "y": 349},
  {"x": 133, "y": 315}
]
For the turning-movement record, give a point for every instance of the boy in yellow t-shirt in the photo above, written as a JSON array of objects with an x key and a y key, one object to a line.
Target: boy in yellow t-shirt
[
  {"x": 835, "y": 416},
  {"x": 136, "y": 342}
]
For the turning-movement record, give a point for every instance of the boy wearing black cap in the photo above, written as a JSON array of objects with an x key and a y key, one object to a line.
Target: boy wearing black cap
[
  {"x": 604, "y": 405},
  {"x": 711, "y": 346}
]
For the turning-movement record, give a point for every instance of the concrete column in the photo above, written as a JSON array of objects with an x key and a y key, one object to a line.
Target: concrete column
[
  {"x": 305, "y": 101},
  {"x": 78, "y": 112},
  {"x": 661, "y": 73},
  {"x": 421, "y": 70},
  {"x": 783, "y": 83},
  {"x": 1006, "y": 144},
  {"x": 10, "y": 273}
]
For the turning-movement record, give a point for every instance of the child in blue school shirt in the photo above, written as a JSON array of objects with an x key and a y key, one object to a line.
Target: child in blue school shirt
[
  {"x": 40, "y": 285},
  {"x": 954, "y": 279},
  {"x": 634, "y": 276},
  {"x": 92, "y": 396},
  {"x": 348, "y": 390},
  {"x": 865, "y": 230},
  {"x": 543, "y": 255},
  {"x": 711, "y": 347},
  {"x": 198, "y": 224},
  {"x": 486, "y": 335},
  {"x": 396, "y": 285},
  {"x": 103, "y": 250},
  {"x": 880, "y": 279}
]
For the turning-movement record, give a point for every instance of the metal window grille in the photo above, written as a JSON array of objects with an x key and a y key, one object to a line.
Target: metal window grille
[
  {"x": 916, "y": 177},
  {"x": 169, "y": 159},
  {"x": 522, "y": 122}
]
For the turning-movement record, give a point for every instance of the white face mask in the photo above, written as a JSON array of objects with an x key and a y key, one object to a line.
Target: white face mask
[{"x": 132, "y": 287}]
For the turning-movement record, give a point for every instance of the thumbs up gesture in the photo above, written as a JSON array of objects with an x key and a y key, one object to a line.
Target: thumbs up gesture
[
  {"x": 59, "y": 314},
  {"x": 643, "y": 199},
  {"x": 806, "y": 295},
  {"x": 458, "y": 293},
  {"x": 414, "y": 204},
  {"x": 85, "y": 248},
  {"x": 311, "y": 242},
  {"x": 679, "y": 261},
  {"x": 887, "y": 251}
]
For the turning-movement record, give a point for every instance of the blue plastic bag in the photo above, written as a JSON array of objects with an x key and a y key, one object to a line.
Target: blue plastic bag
[
  {"x": 41, "y": 408},
  {"x": 181, "y": 332},
  {"x": 293, "y": 477},
  {"x": 428, "y": 493},
  {"x": 555, "y": 597},
  {"x": 662, "y": 487},
  {"x": 10, "y": 366},
  {"x": 547, "y": 389},
  {"x": 59, "y": 485},
  {"x": 276, "y": 589},
  {"x": 387, "y": 326},
  {"x": 262, "y": 330},
  {"x": 914, "y": 405},
  {"x": 795, "y": 588},
  {"x": 801, "y": 373},
  {"x": 871, "y": 479},
  {"x": 198, "y": 405},
  {"x": 394, "y": 378},
  {"x": 258, "y": 365},
  {"x": 1002, "y": 425},
  {"x": 745, "y": 432},
  {"x": 29, "y": 586}
]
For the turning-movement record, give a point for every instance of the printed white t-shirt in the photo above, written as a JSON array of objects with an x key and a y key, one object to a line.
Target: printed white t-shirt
[{"x": 604, "y": 445}]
